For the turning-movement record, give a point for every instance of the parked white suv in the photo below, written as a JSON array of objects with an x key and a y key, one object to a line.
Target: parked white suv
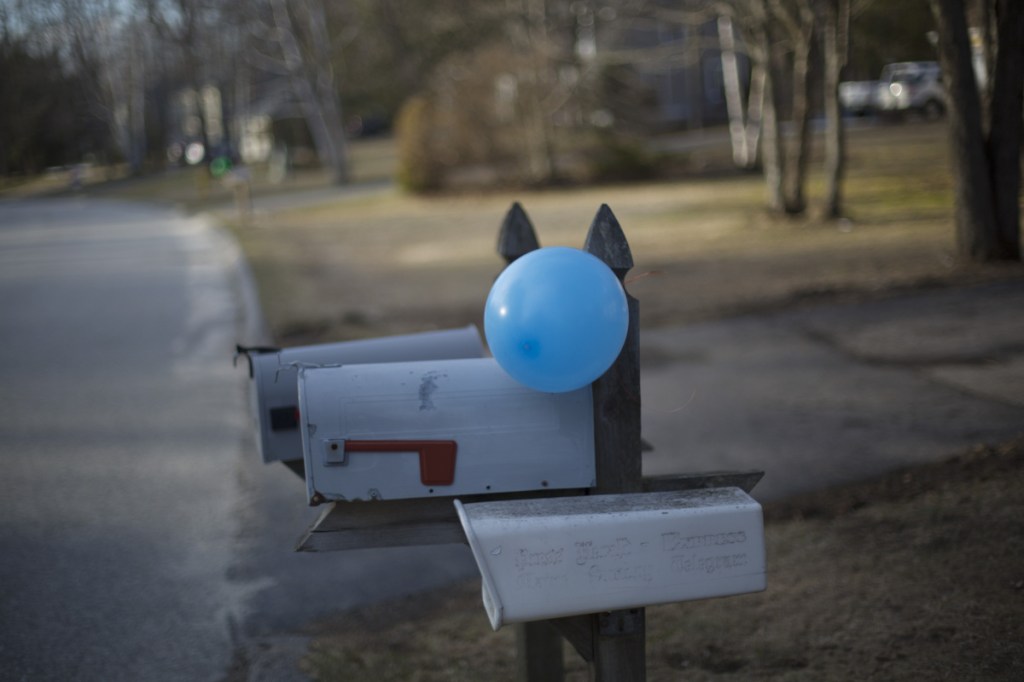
[
  {"x": 911, "y": 87},
  {"x": 858, "y": 97}
]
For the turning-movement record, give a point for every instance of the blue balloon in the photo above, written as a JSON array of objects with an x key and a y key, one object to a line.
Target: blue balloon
[{"x": 556, "y": 319}]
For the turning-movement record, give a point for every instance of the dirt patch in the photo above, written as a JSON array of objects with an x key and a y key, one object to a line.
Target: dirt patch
[{"x": 917, "y": 575}]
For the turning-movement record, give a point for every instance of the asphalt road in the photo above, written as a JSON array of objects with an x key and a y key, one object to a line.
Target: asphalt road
[{"x": 140, "y": 537}]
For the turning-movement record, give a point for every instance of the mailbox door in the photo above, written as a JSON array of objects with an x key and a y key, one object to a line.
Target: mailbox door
[{"x": 456, "y": 427}]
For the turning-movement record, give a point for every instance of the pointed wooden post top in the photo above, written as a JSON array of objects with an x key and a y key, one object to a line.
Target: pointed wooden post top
[
  {"x": 607, "y": 241},
  {"x": 516, "y": 237}
]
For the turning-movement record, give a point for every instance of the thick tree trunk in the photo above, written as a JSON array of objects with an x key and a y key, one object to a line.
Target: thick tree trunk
[
  {"x": 836, "y": 34},
  {"x": 794, "y": 200},
  {"x": 976, "y": 232},
  {"x": 1005, "y": 130}
]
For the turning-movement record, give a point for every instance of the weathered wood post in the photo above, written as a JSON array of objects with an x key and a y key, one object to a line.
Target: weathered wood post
[
  {"x": 614, "y": 643},
  {"x": 618, "y": 637},
  {"x": 538, "y": 644},
  {"x": 516, "y": 237}
]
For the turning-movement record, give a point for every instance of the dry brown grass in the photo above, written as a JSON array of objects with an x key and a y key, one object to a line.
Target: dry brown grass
[
  {"x": 703, "y": 247},
  {"x": 917, "y": 575}
]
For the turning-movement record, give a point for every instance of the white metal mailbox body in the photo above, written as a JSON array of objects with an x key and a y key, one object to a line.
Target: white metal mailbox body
[
  {"x": 449, "y": 427},
  {"x": 275, "y": 376},
  {"x": 565, "y": 556}
]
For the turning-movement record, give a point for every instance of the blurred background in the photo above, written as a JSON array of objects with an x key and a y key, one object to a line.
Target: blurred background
[
  {"x": 822, "y": 198},
  {"x": 488, "y": 93}
]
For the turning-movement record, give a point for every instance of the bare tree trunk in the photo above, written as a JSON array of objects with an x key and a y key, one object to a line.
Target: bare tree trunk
[
  {"x": 742, "y": 155},
  {"x": 755, "y": 111},
  {"x": 797, "y": 24},
  {"x": 772, "y": 150},
  {"x": 1007, "y": 88},
  {"x": 326, "y": 89},
  {"x": 976, "y": 232},
  {"x": 837, "y": 31},
  {"x": 138, "y": 105},
  {"x": 795, "y": 202},
  {"x": 541, "y": 154},
  {"x": 314, "y": 85}
]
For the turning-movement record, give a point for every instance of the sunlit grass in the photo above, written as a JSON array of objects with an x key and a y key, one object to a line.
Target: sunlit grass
[
  {"x": 386, "y": 262},
  {"x": 396, "y": 262}
]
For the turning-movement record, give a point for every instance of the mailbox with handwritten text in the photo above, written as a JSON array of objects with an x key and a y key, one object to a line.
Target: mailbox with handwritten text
[{"x": 556, "y": 557}]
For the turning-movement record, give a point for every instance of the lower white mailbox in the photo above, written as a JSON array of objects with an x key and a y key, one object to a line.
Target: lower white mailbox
[
  {"x": 566, "y": 556},
  {"x": 445, "y": 427}
]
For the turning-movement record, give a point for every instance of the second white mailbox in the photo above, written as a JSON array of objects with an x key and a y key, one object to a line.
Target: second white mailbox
[{"x": 439, "y": 428}]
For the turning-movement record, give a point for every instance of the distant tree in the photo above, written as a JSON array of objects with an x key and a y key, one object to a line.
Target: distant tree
[
  {"x": 301, "y": 32},
  {"x": 100, "y": 45},
  {"x": 409, "y": 41},
  {"x": 879, "y": 38},
  {"x": 985, "y": 153},
  {"x": 189, "y": 31},
  {"x": 793, "y": 25},
  {"x": 509, "y": 95},
  {"x": 296, "y": 40},
  {"x": 779, "y": 37},
  {"x": 744, "y": 116},
  {"x": 835, "y": 16},
  {"x": 40, "y": 121}
]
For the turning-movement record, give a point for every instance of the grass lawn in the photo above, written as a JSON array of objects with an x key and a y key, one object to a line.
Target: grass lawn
[
  {"x": 915, "y": 576},
  {"x": 703, "y": 247}
]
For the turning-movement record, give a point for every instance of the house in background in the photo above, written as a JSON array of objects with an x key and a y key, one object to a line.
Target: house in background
[{"x": 678, "y": 64}]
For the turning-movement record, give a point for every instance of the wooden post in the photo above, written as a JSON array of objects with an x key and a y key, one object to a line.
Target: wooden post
[
  {"x": 516, "y": 237},
  {"x": 618, "y": 637},
  {"x": 538, "y": 645}
]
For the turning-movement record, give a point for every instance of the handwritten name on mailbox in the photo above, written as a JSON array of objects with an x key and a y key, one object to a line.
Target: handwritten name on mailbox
[{"x": 567, "y": 556}]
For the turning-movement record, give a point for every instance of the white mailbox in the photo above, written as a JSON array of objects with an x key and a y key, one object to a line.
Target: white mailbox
[
  {"x": 449, "y": 427},
  {"x": 275, "y": 375},
  {"x": 566, "y": 556}
]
